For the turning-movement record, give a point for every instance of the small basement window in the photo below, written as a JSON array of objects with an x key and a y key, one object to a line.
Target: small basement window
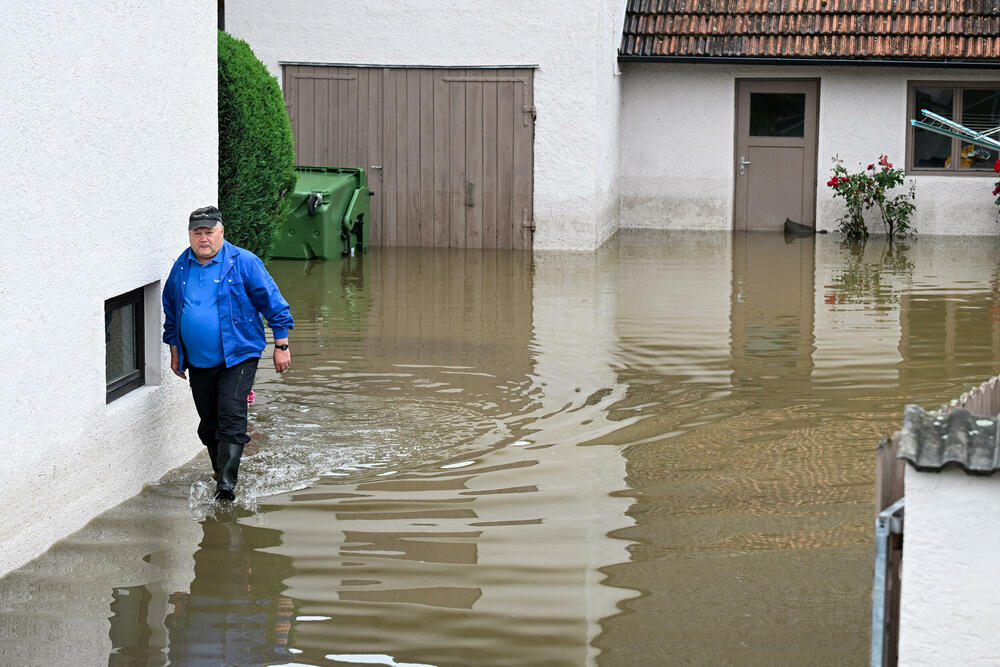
[
  {"x": 975, "y": 105},
  {"x": 124, "y": 343}
]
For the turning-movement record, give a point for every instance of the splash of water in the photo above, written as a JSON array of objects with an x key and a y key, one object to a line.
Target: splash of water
[{"x": 200, "y": 495}]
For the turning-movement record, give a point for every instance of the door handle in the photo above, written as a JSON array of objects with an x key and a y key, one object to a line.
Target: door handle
[{"x": 743, "y": 163}]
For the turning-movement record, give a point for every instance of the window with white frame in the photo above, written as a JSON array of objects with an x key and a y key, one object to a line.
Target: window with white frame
[{"x": 975, "y": 105}]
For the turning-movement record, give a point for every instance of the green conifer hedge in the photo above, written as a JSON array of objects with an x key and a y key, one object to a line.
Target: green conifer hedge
[{"x": 256, "y": 153}]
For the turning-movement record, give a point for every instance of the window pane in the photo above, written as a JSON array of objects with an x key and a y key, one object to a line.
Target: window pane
[
  {"x": 122, "y": 356},
  {"x": 980, "y": 112},
  {"x": 930, "y": 149},
  {"x": 777, "y": 114}
]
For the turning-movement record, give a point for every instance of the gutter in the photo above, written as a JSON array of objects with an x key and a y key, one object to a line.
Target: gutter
[{"x": 750, "y": 60}]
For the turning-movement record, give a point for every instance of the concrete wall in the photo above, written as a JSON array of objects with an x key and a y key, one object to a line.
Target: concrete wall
[
  {"x": 109, "y": 139},
  {"x": 677, "y": 144},
  {"x": 949, "y": 609},
  {"x": 576, "y": 84}
]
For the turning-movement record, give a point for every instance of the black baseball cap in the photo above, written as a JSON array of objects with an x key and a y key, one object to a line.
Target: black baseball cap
[{"x": 207, "y": 216}]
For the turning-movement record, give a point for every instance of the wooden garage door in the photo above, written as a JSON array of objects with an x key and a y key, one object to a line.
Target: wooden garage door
[{"x": 449, "y": 152}]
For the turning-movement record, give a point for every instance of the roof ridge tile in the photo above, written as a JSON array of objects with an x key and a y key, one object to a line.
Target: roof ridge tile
[{"x": 931, "y": 442}]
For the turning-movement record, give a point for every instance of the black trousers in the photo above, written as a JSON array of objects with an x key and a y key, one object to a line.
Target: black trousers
[{"x": 220, "y": 395}]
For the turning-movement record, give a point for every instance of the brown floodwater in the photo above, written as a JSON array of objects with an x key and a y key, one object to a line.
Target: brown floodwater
[{"x": 659, "y": 453}]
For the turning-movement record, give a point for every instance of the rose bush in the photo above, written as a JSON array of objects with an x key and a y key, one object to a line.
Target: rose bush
[{"x": 868, "y": 189}]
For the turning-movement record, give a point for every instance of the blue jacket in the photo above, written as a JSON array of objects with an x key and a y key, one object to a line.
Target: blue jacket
[{"x": 246, "y": 290}]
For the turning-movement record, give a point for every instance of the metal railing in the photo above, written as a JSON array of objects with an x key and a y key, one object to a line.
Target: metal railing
[
  {"x": 888, "y": 552},
  {"x": 885, "y": 592}
]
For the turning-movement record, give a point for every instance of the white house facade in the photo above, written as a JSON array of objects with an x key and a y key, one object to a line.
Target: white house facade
[
  {"x": 637, "y": 106},
  {"x": 110, "y": 140},
  {"x": 679, "y": 165},
  {"x": 733, "y": 113},
  {"x": 572, "y": 51}
]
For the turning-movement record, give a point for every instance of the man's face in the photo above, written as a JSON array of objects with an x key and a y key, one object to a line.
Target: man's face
[{"x": 206, "y": 241}]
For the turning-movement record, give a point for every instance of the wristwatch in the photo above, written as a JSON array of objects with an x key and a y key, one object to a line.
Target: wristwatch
[{"x": 283, "y": 346}]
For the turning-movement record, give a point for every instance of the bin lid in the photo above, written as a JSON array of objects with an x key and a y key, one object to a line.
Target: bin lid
[{"x": 325, "y": 180}]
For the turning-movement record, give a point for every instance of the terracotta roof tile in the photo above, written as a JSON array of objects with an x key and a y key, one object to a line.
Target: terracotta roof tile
[{"x": 932, "y": 30}]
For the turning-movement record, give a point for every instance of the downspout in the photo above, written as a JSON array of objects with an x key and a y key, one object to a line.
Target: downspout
[{"x": 222, "y": 15}]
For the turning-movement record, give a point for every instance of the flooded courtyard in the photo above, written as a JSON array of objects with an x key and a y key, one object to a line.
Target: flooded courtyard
[{"x": 659, "y": 453}]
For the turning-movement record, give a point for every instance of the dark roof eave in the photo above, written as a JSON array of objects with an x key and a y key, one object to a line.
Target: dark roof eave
[{"x": 856, "y": 62}]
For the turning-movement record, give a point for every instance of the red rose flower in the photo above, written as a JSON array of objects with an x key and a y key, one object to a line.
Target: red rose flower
[
  {"x": 996, "y": 166},
  {"x": 996, "y": 190},
  {"x": 871, "y": 166}
]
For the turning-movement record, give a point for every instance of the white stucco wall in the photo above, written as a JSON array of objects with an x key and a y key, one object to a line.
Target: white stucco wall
[
  {"x": 677, "y": 144},
  {"x": 576, "y": 83},
  {"x": 950, "y": 609},
  {"x": 110, "y": 140}
]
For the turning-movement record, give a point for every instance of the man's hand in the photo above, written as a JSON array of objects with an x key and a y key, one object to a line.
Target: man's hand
[
  {"x": 175, "y": 363},
  {"x": 282, "y": 358}
]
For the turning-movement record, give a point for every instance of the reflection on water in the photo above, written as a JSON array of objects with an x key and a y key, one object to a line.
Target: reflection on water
[
  {"x": 658, "y": 453},
  {"x": 860, "y": 280},
  {"x": 234, "y": 612}
]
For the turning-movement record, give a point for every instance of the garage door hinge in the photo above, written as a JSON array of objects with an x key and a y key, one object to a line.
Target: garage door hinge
[
  {"x": 525, "y": 222},
  {"x": 529, "y": 109}
]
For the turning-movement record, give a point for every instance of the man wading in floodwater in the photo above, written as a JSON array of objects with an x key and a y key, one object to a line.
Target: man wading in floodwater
[{"x": 212, "y": 303}]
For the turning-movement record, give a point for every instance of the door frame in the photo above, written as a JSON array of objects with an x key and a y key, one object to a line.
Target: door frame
[{"x": 809, "y": 185}]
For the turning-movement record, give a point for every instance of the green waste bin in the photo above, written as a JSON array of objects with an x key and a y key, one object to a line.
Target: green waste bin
[{"x": 330, "y": 214}]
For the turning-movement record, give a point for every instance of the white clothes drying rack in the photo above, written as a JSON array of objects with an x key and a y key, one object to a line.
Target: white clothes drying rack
[{"x": 949, "y": 128}]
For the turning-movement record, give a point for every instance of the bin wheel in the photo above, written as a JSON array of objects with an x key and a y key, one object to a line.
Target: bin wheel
[
  {"x": 345, "y": 238},
  {"x": 358, "y": 231},
  {"x": 313, "y": 202}
]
